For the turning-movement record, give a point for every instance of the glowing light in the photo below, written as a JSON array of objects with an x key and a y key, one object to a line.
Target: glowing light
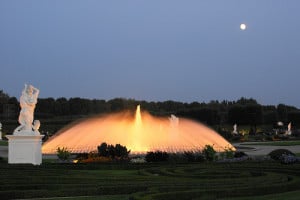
[
  {"x": 243, "y": 26},
  {"x": 138, "y": 117},
  {"x": 139, "y": 134}
]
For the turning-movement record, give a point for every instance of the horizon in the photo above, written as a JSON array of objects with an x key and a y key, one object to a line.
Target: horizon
[{"x": 206, "y": 102}]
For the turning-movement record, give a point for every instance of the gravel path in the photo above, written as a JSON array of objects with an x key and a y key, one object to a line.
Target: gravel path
[{"x": 256, "y": 150}]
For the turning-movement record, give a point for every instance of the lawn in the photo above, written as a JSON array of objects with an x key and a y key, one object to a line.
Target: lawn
[
  {"x": 150, "y": 181},
  {"x": 286, "y": 196}
]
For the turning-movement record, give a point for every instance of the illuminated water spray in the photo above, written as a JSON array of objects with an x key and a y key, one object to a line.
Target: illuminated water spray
[
  {"x": 138, "y": 117},
  {"x": 140, "y": 134}
]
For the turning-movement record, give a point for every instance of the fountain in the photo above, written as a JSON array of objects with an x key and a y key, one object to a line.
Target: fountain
[{"x": 139, "y": 133}]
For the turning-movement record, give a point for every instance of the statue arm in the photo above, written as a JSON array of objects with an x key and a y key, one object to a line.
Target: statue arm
[{"x": 35, "y": 92}]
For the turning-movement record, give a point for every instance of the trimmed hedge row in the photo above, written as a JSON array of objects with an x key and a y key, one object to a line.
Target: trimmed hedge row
[{"x": 148, "y": 181}]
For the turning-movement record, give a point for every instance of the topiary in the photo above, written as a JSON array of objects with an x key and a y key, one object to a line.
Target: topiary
[{"x": 278, "y": 153}]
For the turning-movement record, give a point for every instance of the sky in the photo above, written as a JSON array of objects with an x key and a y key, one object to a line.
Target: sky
[{"x": 153, "y": 50}]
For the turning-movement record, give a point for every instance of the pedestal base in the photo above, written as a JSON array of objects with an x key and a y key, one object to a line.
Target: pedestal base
[{"x": 25, "y": 149}]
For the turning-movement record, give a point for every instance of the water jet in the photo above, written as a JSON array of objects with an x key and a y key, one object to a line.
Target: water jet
[{"x": 139, "y": 133}]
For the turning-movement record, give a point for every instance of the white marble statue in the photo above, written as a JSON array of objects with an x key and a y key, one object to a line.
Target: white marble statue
[
  {"x": 235, "y": 129},
  {"x": 28, "y": 101},
  {"x": 174, "y": 121},
  {"x": 289, "y": 130}
]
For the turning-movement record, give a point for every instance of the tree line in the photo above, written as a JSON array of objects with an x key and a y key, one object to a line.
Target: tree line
[{"x": 245, "y": 111}]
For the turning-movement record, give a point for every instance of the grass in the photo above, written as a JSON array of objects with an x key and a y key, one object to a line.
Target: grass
[
  {"x": 275, "y": 143},
  {"x": 286, "y": 196},
  {"x": 104, "y": 197},
  {"x": 149, "y": 180}
]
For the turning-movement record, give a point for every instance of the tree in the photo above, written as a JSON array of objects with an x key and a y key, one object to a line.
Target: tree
[
  {"x": 117, "y": 151},
  {"x": 3, "y": 100},
  {"x": 45, "y": 108},
  {"x": 283, "y": 111},
  {"x": 103, "y": 150},
  {"x": 121, "y": 151},
  {"x": 269, "y": 115},
  {"x": 245, "y": 101},
  {"x": 78, "y": 106},
  {"x": 100, "y": 106},
  {"x": 116, "y": 104},
  {"x": 236, "y": 115},
  {"x": 248, "y": 114},
  {"x": 62, "y": 106},
  {"x": 254, "y": 114},
  {"x": 294, "y": 117}
]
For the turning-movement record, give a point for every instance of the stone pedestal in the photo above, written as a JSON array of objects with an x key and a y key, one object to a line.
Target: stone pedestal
[{"x": 25, "y": 149}]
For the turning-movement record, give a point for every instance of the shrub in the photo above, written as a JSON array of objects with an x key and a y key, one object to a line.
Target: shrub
[
  {"x": 209, "y": 153},
  {"x": 102, "y": 150},
  {"x": 157, "y": 156},
  {"x": 63, "y": 153},
  {"x": 289, "y": 159},
  {"x": 240, "y": 154},
  {"x": 176, "y": 158},
  {"x": 117, "y": 151},
  {"x": 121, "y": 151},
  {"x": 227, "y": 153},
  {"x": 191, "y": 156},
  {"x": 278, "y": 153}
]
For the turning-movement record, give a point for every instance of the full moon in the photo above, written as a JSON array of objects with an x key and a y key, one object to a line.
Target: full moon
[{"x": 243, "y": 26}]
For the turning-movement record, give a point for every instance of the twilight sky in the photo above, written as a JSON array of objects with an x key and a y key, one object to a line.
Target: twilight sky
[{"x": 152, "y": 50}]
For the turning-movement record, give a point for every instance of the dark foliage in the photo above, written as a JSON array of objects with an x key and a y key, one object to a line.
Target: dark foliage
[
  {"x": 103, "y": 149},
  {"x": 289, "y": 159},
  {"x": 157, "y": 156},
  {"x": 239, "y": 154},
  {"x": 242, "y": 111},
  {"x": 117, "y": 151},
  {"x": 209, "y": 153},
  {"x": 278, "y": 153},
  {"x": 193, "y": 156}
]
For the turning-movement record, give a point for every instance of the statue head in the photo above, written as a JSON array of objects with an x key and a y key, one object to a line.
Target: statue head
[{"x": 29, "y": 89}]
